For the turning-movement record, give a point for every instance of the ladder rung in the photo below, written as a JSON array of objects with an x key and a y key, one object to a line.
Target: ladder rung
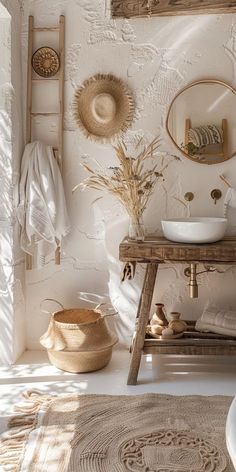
[
  {"x": 41, "y": 30},
  {"x": 45, "y": 114},
  {"x": 45, "y": 80}
]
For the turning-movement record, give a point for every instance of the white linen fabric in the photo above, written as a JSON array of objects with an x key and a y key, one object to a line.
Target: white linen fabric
[
  {"x": 42, "y": 211},
  {"x": 217, "y": 321},
  {"x": 230, "y": 200}
]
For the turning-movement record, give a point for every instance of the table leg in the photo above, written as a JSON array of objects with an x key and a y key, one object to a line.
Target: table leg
[
  {"x": 142, "y": 321},
  {"x": 136, "y": 325}
]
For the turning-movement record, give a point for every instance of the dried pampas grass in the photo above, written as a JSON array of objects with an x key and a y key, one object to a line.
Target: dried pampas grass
[{"x": 133, "y": 181}]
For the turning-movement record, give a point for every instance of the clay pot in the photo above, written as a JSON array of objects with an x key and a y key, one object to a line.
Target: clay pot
[
  {"x": 159, "y": 317},
  {"x": 176, "y": 323}
]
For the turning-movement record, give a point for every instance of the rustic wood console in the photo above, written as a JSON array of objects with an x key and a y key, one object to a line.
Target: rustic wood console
[{"x": 158, "y": 250}]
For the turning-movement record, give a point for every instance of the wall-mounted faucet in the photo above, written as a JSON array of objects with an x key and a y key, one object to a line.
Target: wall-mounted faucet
[{"x": 216, "y": 194}]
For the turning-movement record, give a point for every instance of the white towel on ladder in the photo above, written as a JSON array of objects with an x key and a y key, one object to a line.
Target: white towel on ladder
[{"x": 42, "y": 211}]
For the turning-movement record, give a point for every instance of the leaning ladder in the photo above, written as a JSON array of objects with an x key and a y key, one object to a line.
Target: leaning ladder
[{"x": 58, "y": 151}]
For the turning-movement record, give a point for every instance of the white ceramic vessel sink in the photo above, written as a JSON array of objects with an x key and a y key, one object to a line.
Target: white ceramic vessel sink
[
  {"x": 231, "y": 432},
  {"x": 194, "y": 230}
]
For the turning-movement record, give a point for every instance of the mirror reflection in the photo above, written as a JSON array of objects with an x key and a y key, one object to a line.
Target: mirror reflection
[{"x": 202, "y": 121}]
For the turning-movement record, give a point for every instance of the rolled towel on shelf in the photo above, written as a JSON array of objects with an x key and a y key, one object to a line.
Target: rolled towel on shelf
[
  {"x": 206, "y": 135},
  {"x": 217, "y": 321}
]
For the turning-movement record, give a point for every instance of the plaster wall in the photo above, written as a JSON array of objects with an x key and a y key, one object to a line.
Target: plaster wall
[
  {"x": 12, "y": 308},
  {"x": 156, "y": 57}
]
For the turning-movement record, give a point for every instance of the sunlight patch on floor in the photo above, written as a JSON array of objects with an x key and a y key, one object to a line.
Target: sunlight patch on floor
[{"x": 158, "y": 374}]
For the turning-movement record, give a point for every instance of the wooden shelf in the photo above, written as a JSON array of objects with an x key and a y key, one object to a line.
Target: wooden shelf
[
  {"x": 139, "y": 8},
  {"x": 154, "y": 251},
  {"x": 158, "y": 249},
  {"x": 192, "y": 343}
]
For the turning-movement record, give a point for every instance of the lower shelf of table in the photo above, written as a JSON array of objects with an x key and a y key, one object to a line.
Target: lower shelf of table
[{"x": 193, "y": 343}]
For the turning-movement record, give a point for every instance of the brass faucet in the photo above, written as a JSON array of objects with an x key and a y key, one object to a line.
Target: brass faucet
[
  {"x": 216, "y": 194},
  {"x": 192, "y": 273},
  {"x": 193, "y": 286}
]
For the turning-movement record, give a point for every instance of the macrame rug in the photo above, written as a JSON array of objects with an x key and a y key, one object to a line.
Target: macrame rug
[{"x": 102, "y": 433}]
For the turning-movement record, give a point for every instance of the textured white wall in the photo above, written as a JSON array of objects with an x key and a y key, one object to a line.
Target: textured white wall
[
  {"x": 156, "y": 57},
  {"x": 12, "y": 308}
]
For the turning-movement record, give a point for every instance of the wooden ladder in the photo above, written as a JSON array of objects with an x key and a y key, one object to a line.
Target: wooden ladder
[{"x": 58, "y": 151}]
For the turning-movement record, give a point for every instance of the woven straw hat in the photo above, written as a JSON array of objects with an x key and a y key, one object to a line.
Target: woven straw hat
[{"x": 103, "y": 107}]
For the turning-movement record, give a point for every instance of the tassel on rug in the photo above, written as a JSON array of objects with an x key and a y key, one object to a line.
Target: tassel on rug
[{"x": 13, "y": 442}]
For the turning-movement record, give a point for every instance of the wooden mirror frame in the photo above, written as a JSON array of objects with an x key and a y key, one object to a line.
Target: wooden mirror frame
[
  {"x": 192, "y": 84},
  {"x": 141, "y": 8}
]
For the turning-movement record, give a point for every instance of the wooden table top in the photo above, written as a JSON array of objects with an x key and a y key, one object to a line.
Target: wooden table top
[{"x": 159, "y": 249}]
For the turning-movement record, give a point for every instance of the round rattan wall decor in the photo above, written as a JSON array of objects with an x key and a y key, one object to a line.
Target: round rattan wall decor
[
  {"x": 103, "y": 107},
  {"x": 46, "y": 62}
]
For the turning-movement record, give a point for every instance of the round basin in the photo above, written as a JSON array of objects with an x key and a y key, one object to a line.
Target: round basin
[
  {"x": 194, "y": 230},
  {"x": 231, "y": 432}
]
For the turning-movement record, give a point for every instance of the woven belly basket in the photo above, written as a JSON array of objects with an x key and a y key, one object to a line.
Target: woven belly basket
[{"x": 78, "y": 340}]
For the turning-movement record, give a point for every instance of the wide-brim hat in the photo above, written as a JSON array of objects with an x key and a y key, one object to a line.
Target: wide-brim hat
[{"x": 103, "y": 107}]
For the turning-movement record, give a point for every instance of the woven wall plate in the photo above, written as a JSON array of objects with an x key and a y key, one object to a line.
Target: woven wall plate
[
  {"x": 103, "y": 107},
  {"x": 46, "y": 62}
]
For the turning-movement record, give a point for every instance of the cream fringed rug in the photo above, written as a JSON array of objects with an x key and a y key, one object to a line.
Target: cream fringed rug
[{"x": 99, "y": 433}]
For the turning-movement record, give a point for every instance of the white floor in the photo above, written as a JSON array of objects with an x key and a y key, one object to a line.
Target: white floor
[{"x": 161, "y": 374}]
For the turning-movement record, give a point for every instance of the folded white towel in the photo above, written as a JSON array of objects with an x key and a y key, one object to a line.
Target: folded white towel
[
  {"x": 217, "y": 321},
  {"x": 42, "y": 211}
]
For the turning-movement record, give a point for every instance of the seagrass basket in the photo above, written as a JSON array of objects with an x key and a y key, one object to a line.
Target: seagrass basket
[
  {"x": 79, "y": 340},
  {"x": 82, "y": 361}
]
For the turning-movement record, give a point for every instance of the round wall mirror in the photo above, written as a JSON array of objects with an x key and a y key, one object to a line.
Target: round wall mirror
[{"x": 201, "y": 121}]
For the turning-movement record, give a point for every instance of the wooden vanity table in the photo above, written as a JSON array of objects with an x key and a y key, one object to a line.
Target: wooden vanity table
[{"x": 158, "y": 250}]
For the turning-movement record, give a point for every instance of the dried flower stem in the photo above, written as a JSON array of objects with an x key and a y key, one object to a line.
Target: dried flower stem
[{"x": 132, "y": 182}]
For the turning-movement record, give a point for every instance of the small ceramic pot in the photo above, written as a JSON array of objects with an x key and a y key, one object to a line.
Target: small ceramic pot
[
  {"x": 159, "y": 317},
  {"x": 176, "y": 323}
]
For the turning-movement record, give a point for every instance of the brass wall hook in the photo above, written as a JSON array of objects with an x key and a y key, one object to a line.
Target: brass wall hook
[{"x": 216, "y": 194}]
